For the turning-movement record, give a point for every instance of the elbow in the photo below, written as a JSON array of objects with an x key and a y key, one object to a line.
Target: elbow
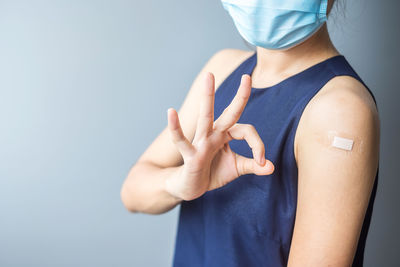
[
  {"x": 135, "y": 206},
  {"x": 126, "y": 199}
]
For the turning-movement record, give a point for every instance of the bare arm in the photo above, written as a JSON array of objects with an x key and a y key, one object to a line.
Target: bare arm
[
  {"x": 144, "y": 187},
  {"x": 334, "y": 184}
]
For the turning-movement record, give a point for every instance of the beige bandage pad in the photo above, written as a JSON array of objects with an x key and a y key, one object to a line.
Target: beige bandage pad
[{"x": 340, "y": 141}]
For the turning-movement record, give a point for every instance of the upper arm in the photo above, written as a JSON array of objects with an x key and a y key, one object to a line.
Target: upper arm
[
  {"x": 334, "y": 185},
  {"x": 162, "y": 151}
]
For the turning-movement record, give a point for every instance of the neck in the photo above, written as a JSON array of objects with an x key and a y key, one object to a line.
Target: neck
[{"x": 283, "y": 63}]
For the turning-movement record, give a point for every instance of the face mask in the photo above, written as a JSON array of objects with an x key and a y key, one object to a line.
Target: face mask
[{"x": 276, "y": 24}]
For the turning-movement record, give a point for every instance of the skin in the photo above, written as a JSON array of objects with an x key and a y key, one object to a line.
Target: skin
[{"x": 190, "y": 156}]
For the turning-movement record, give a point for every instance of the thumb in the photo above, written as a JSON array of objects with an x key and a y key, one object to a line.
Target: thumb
[{"x": 246, "y": 165}]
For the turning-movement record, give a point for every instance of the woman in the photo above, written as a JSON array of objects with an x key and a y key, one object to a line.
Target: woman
[{"x": 299, "y": 103}]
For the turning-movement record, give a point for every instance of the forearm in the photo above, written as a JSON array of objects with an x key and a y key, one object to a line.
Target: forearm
[{"x": 144, "y": 189}]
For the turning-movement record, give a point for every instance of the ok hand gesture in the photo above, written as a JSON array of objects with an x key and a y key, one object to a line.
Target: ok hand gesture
[{"x": 209, "y": 163}]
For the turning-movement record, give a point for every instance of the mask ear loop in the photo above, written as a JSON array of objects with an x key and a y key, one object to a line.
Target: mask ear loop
[{"x": 323, "y": 8}]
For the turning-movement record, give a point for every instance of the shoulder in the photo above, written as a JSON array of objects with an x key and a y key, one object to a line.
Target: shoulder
[
  {"x": 334, "y": 185},
  {"x": 343, "y": 105},
  {"x": 224, "y": 62}
]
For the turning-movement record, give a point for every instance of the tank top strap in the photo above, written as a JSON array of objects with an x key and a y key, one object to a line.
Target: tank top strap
[
  {"x": 338, "y": 66},
  {"x": 246, "y": 67},
  {"x": 341, "y": 67}
]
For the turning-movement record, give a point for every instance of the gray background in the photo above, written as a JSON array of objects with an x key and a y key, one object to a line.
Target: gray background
[{"x": 84, "y": 89}]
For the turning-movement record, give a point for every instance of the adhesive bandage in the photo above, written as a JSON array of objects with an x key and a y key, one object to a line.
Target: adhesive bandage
[{"x": 340, "y": 141}]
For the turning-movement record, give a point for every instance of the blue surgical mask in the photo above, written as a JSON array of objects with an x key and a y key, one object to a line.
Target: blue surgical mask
[{"x": 276, "y": 24}]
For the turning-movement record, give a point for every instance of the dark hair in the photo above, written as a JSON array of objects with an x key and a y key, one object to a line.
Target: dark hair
[{"x": 337, "y": 11}]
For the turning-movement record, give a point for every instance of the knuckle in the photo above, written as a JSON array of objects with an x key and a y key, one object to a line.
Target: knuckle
[
  {"x": 243, "y": 99},
  {"x": 251, "y": 127},
  {"x": 236, "y": 113}
]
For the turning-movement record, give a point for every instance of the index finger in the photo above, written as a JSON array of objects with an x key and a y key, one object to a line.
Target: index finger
[{"x": 232, "y": 113}]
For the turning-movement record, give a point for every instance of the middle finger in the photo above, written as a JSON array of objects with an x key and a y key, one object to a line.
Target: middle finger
[{"x": 232, "y": 113}]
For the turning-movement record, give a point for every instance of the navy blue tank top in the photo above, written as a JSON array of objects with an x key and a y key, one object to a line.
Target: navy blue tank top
[{"x": 250, "y": 221}]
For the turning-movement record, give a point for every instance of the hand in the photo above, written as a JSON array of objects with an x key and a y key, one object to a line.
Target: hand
[{"x": 209, "y": 163}]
